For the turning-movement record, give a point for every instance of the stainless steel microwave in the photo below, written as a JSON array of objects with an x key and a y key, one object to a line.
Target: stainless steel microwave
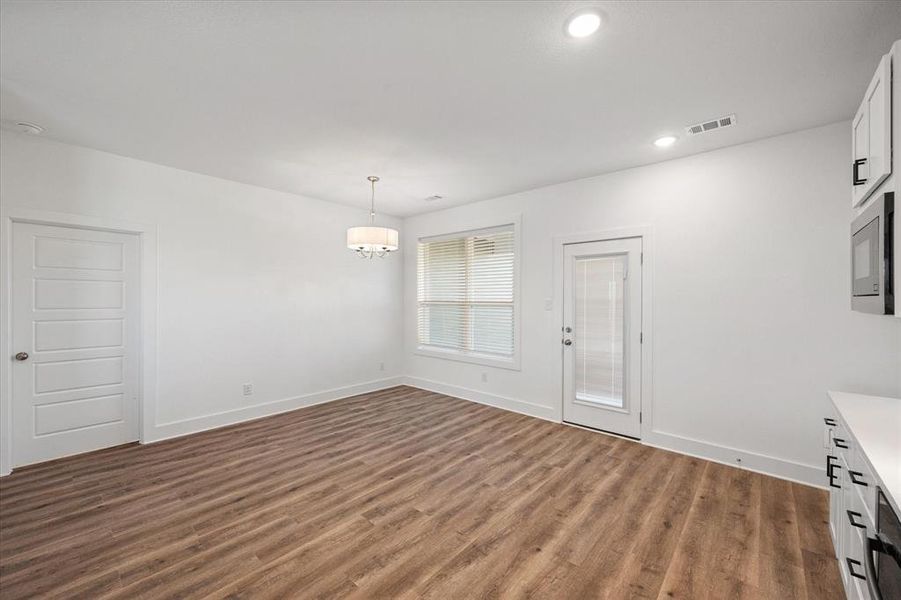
[{"x": 872, "y": 260}]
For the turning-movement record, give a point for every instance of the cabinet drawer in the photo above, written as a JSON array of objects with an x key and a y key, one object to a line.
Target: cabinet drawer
[
  {"x": 855, "y": 526},
  {"x": 861, "y": 478}
]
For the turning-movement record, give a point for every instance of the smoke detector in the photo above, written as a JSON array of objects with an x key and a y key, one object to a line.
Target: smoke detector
[{"x": 711, "y": 125}]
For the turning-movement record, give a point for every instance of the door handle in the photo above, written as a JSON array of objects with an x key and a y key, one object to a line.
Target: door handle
[
  {"x": 21, "y": 356},
  {"x": 855, "y": 174},
  {"x": 567, "y": 342}
]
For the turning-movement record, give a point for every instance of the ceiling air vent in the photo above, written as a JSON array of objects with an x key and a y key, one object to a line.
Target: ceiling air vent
[{"x": 713, "y": 124}]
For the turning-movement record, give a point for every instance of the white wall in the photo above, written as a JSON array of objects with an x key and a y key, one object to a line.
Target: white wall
[
  {"x": 751, "y": 310},
  {"x": 254, "y": 285}
]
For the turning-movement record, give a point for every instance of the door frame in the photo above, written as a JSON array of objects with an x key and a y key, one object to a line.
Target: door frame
[
  {"x": 147, "y": 346},
  {"x": 646, "y": 233}
]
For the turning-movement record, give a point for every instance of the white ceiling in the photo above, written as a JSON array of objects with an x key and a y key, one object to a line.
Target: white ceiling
[{"x": 469, "y": 100}]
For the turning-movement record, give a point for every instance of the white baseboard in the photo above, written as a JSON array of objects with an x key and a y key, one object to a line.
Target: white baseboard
[
  {"x": 735, "y": 457},
  {"x": 164, "y": 431},
  {"x": 518, "y": 406},
  {"x": 752, "y": 461}
]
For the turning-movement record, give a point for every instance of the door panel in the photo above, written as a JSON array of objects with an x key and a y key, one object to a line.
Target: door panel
[
  {"x": 76, "y": 374},
  {"x": 64, "y": 416},
  {"x": 602, "y": 328},
  {"x": 61, "y": 293},
  {"x": 76, "y": 314},
  {"x": 72, "y": 335},
  {"x": 871, "y": 133}
]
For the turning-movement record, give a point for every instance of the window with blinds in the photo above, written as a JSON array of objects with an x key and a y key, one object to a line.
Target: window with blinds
[{"x": 466, "y": 295}]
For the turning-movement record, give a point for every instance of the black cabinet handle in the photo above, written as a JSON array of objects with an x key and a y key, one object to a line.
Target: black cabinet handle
[
  {"x": 855, "y": 174},
  {"x": 856, "y": 477},
  {"x": 830, "y": 466},
  {"x": 829, "y": 422},
  {"x": 840, "y": 443},
  {"x": 852, "y": 514},
  {"x": 851, "y": 564}
]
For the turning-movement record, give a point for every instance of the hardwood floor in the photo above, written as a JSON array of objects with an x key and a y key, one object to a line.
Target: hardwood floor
[{"x": 407, "y": 494}]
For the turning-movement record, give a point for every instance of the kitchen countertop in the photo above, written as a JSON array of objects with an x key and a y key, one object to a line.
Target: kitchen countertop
[{"x": 875, "y": 423}]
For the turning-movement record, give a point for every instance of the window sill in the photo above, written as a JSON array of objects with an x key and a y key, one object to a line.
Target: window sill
[{"x": 486, "y": 360}]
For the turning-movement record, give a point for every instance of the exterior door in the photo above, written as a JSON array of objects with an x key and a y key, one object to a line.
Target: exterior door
[
  {"x": 75, "y": 337},
  {"x": 602, "y": 335}
]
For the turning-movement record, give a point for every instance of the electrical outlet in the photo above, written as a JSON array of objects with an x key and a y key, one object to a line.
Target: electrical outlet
[
  {"x": 248, "y": 389},
  {"x": 484, "y": 377},
  {"x": 381, "y": 366}
]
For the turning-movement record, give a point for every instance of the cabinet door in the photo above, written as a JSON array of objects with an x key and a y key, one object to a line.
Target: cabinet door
[
  {"x": 871, "y": 135},
  {"x": 835, "y": 511},
  {"x": 843, "y": 531}
]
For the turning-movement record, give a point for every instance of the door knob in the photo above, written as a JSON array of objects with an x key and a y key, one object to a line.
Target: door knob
[
  {"x": 22, "y": 356},
  {"x": 567, "y": 342}
]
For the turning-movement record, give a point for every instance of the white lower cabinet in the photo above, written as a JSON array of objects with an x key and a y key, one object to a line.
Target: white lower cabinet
[{"x": 850, "y": 515}]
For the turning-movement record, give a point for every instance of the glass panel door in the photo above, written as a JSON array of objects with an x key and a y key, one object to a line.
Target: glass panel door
[{"x": 602, "y": 335}]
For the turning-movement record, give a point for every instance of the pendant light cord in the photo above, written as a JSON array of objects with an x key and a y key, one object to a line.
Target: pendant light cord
[{"x": 372, "y": 202}]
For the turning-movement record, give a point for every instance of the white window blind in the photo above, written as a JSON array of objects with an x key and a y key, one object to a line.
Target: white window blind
[{"x": 466, "y": 294}]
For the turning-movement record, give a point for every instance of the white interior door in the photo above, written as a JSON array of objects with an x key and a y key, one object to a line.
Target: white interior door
[
  {"x": 602, "y": 335},
  {"x": 75, "y": 338}
]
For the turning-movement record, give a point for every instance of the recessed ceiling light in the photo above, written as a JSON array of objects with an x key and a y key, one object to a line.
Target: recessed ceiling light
[
  {"x": 583, "y": 23},
  {"x": 665, "y": 141}
]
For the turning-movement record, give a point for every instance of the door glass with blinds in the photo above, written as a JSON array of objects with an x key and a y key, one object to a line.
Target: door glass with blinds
[
  {"x": 598, "y": 297},
  {"x": 466, "y": 295}
]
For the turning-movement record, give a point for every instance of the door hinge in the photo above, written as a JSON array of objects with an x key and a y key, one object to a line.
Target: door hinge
[
  {"x": 641, "y": 337},
  {"x": 641, "y": 258},
  {"x": 640, "y": 416}
]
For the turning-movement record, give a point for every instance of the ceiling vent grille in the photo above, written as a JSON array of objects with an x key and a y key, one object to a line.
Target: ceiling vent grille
[{"x": 711, "y": 125}]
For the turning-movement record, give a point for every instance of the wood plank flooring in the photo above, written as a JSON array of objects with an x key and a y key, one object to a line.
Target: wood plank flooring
[{"x": 407, "y": 494}]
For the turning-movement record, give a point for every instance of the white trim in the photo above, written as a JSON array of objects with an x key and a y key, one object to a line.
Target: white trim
[
  {"x": 468, "y": 357},
  {"x": 514, "y": 363},
  {"x": 646, "y": 233},
  {"x": 513, "y": 405},
  {"x": 147, "y": 241},
  {"x": 726, "y": 455},
  {"x": 750, "y": 461},
  {"x": 173, "y": 429}
]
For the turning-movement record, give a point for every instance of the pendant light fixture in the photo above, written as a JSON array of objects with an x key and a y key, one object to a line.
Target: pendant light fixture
[{"x": 369, "y": 240}]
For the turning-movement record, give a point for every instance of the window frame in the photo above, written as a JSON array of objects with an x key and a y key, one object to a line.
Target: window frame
[{"x": 487, "y": 360}]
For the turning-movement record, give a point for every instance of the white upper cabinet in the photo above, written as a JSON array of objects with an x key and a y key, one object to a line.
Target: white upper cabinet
[{"x": 871, "y": 135}]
